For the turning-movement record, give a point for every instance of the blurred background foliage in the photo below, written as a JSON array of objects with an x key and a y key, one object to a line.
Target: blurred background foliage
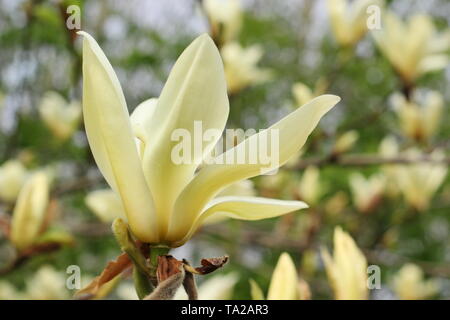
[{"x": 142, "y": 39}]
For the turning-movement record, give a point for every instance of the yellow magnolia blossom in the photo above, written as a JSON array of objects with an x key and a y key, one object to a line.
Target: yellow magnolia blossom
[
  {"x": 412, "y": 47},
  {"x": 367, "y": 192},
  {"x": 165, "y": 202},
  {"x": 345, "y": 142},
  {"x": 241, "y": 69},
  {"x": 61, "y": 117},
  {"x": 30, "y": 210},
  {"x": 284, "y": 283},
  {"x": 418, "y": 182},
  {"x": 225, "y": 17},
  {"x": 302, "y": 93},
  {"x": 310, "y": 189},
  {"x": 349, "y": 19},
  {"x": 347, "y": 269},
  {"x": 12, "y": 177},
  {"x": 409, "y": 284},
  {"x": 419, "y": 121}
]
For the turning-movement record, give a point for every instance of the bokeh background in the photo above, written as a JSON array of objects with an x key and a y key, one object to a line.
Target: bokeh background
[{"x": 294, "y": 54}]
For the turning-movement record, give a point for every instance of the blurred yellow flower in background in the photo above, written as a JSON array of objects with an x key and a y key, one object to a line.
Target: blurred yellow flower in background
[
  {"x": 418, "y": 182},
  {"x": 310, "y": 188},
  {"x": 225, "y": 18},
  {"x": 367, "y": 192},
  {"x": 241, "y": 66},
  {"x": 302, "y": 93},
  {"x": 409, "y": 284},
  {"x": 337, "y": 203},
  {"x": 12, "y": 177},
  {"x": 105, "y": 204},
  {"x": 285, "y": 283},
  {"x": 47, "y": 284},
  {"x": 347, "y": 268},
  {"x": 60, "y": 116},
  {"x": 349, "y": 19},
  {"x": 419, "y": 121},
  {"x": 30, "y": 210},
  {"x": 413, "y": 47},
  {"x": 345, "y": 142}
]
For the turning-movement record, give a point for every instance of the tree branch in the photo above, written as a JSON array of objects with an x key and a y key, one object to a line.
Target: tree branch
[{"x": 365, "y": 160}]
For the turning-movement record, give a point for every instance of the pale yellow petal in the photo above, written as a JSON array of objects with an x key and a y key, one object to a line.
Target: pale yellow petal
[
  {"x": 246, "y": 208},
  {"x": 194, "y": 95},
  {"x": 112, "y": 142},
  {"x": 141, "y": 119},
  {"x": 291, "y": 134}
]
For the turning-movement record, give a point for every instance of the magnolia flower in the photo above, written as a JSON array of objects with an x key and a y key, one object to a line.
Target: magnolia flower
[
  {"x": 284, "y": 285},
  {"x": 413, "y": 47},
  {"x": 61, "y": 117},
  {"x": 345, "y": 142},
  {"x": 310, "y": 189},
  {"x": 418, "y": 182},
  {"x": 225, "y": 17},
  {"x": 409, "y": 284},
  {"x": 349, "y": 20},
  {"x": 419, "y": 121},
  {"x": 12, "y": 177},
  {"x": 30, "y": 210},
  {"x": 165, "y": 202},
  {"x": 347, "y": 269},
  {"x": 241, "y": 68},
  {"x": 367, "y": 192}
]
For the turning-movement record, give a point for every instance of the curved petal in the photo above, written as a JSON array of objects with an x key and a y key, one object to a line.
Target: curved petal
[
  {"x": 141, "y": 119},
  {"x": 194, "y": 100},
  {"x": 111, "y": 139},
  {"x": 292, "y": 131},
  {"x": 246, "y": 208}
]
